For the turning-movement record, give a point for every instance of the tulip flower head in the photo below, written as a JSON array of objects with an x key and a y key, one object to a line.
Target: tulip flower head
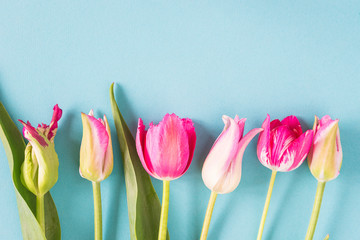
[
  {"x": 325, "y": 156},
  {"x": 39, "y": 171},
  {"x": 96, "y": 154},
  {"x": 166, "y": 150},
  {"x": 282, "y": 146},
  {"x": 221, "y": 171}
]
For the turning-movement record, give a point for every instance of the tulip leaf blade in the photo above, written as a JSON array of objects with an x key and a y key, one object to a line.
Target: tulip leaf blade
[
  {"x": 14, "y": 146},
  {"x": 144, "y": 206}
]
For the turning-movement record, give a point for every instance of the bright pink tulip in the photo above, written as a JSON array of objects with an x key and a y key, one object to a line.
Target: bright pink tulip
[
  {"x": 221, "y": 172},
  {"x": 166, "y": 149},
  {"x": 325, "y": 157},
  {"x": 282, "y": 146}
]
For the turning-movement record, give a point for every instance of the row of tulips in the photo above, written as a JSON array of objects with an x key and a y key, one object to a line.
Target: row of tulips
[{"x": 166, "y": 151}]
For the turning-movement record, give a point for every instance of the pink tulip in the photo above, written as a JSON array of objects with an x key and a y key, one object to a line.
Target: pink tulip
[
  {"x": 221, "y": 172},
  {"x": 282, "y": 146},
  {"x": 166, "y": 149}
]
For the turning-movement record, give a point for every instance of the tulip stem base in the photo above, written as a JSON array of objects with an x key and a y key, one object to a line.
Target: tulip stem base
[
  {"x": 210, "y": 208},
  {"x": 266, "y": 206},
  {"x": 164, "y": 211},
  {"x": 316, "y": 210},
  {"x": 40, "y": 211},
  {"x": 97, "y": 210}
]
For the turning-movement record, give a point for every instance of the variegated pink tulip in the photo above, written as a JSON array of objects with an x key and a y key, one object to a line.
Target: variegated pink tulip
[
  {"x": 221, "y": 171},
  {"x": 166, "y": 150},
  {"x": 96, "y": 154},
  {"x": 39, "y": 171},
  {"x": 325, "y": 157},
  {"x": 282, "y": 146}
]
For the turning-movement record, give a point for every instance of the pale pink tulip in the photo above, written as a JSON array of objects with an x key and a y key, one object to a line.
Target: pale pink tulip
[
  {"x": 166, "y": 150},
  {"x": 221, "y": 172},
  {"x": 282, "y": 146}
]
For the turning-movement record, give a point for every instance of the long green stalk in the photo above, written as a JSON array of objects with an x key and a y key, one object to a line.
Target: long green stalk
[
  {"x": 210, "y": 208},
  {"x": 97, "y": 210},
  {"x": 266, "y": 207},
  {"x": 164, "y": 211},
  {"x": 316, "y": 210},
  {"x": 40, "y": 211}
]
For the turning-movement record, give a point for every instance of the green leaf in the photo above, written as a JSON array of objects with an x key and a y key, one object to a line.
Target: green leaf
[
  {"x": 14, "y": 148},
  {"x": 143, "y": 203}
]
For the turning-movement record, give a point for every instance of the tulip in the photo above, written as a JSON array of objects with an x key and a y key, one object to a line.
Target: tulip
[
  {"x": 96, "y": 160},
  {"x": 39, "y": 171},
  {"x": 282, "y": 146},
  {"x": 221, "y": 171},
  {"x": 166, "y": 151},
  {"x": 325, "y": 158},
  {"x": 96, "y": 154}
]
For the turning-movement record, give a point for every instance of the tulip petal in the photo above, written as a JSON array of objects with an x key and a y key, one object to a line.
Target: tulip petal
[
  {"x": 231, "y": 180},
  {"x": 31, "y": 134},
  {"x": 280, "y": 139},
  {"x": 296, "y": 153},
  {"x": 263, "y": 146},
  {"x": 190, "y": 129},
  {"x": 54, "y": 123},
  {"x": 293, "y": 124},
  {"x": 108, "y": 159},
  {"x": 168, "y": 147},
  {"x": 241, "y": 123},
  {"x": 141, "y": 148}
]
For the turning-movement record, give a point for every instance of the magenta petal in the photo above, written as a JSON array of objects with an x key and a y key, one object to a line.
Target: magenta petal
[
  {"x": 54, "y": 122},
  {"x": 141, "y": 147},
  {"x": 189, "y": 128},
  {"x": 275, "y": 123},
  {"x": 263, "y": 146},
  {"x": 30, "y": 130},
  {"x": 280, "y": 139},
  {"x": 296, "y": 152},
  {"x": 293, "y": 123}
]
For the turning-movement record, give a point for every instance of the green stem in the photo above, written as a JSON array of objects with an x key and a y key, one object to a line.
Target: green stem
[
  {"x": 266, "y": 207},
  {"x": 164, "y": 211},
  {"x": 40, "y": 211},
  {"x": 316, "y": 209},
  {"x": 210, "y": 208},
  {"x": 97, "y": 210}
]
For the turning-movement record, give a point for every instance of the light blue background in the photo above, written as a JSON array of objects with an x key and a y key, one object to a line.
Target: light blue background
[{"x": 200, "y": 60}]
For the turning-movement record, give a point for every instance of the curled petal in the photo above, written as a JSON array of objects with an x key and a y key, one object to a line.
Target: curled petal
[
  {"x": 54, "y": 123},
  {"x": 293, "y": 124},
  {"x": 296, "y": 153},
  {"x": 189, "y": 128}
]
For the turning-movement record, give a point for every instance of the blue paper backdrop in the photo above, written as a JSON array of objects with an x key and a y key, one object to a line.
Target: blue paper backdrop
[{"x": 200, "y": 60}]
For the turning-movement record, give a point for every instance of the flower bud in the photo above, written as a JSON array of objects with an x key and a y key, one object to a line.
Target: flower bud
[
  {"x": 96, "y": 154},
  {"x": 325, "y": 156}
]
